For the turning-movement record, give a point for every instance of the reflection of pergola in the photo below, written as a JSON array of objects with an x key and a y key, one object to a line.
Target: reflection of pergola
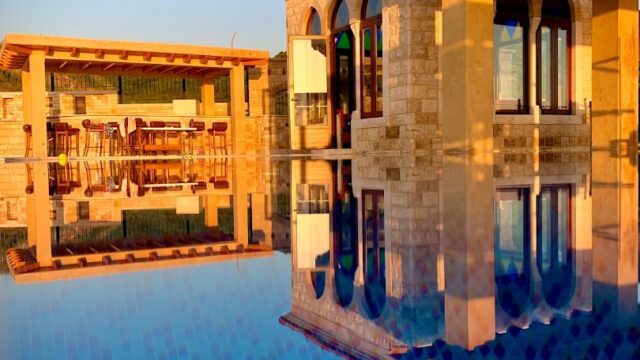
[{"x": 35, "y": 55}]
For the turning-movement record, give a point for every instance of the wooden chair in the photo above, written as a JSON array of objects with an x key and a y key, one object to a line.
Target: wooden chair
[
  {"x": 116, "y": 139},
  {"x": 93, "y": 137},
  {"x": 63, "y": 138}
]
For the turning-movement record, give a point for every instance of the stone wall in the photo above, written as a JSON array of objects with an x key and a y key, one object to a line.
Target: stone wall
[{"x": 413, "y": 76}]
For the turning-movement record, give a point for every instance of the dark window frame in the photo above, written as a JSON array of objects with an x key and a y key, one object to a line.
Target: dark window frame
[
  {"x": 554, "y": 24},
  {"x": 76, "y": 108},
  {"x": 373, "y": 24},
  {"x": 501, "y": 18},
  {"x": 375, "y": 194}
]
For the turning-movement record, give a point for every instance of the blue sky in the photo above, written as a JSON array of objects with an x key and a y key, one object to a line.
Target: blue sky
[{"x": 259, "y": 24}]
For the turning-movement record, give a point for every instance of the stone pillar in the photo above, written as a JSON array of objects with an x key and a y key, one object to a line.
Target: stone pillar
[
  {"x": 237, "y": 110},
  {"x": 615, "y": 118},
  {"x": 38, "y": 221},
  {"x": 615, "y": 74},
  {"x": 467, "y": 72},
  {"x": 468, "y": 246},
  {"x": 34, "y": 92},
  {"x": 207, "y": 90}
]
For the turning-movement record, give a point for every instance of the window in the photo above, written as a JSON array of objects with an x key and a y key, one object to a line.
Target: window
[
  {"x": 554, "y": 58},
  {"x": 6, "y": 108},
  {"x": 83, "y": 210},
  {"x": 313, "y": 199},
  {"x": 281, "y": 101},
  {"x": 554, "y": 227},
  {"x": 510, "y": 36},
  {"x": 341, "y": 16},
  {"x": 372, "y": 53},
  {"x": 12, "y": 209},
  {"x": 80, "y": 105},
  {"x": 314, "y": 26},
  {"x": 511, "y": 233},
  {"x": 373, "y": 230}
]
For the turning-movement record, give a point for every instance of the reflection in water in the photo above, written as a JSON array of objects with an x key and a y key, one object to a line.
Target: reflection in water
[{"x": 375, "y": 269}]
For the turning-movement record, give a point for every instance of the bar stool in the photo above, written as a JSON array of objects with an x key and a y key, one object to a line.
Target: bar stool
[
  {"x": 138, "y": 137},
  {"x": 91, "y": 131},
  {"x": 63, "y": 138},
  {"x": 219, "y": 178},
  {"x": 199, "y": 127},
  {"x": 218, "y": 130},
  {"x": 27, "y": 139},
  {"x": 116, "y": 140}
]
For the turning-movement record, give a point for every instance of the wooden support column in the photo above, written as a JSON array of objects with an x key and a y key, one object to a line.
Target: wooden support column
[
  {"x": 237, "y": 110},
  {"x": 468, "y": 247},
  {"x": 211, "y": 211},
  {"x": 240, "y": 203},
  {"x": 615, "y": 119},
  {"x": 467, "y": 74},
  {"x": 207, "y": 90},
  {"x": 38, "y": 209},
  {"x": 34, "y": 91}
]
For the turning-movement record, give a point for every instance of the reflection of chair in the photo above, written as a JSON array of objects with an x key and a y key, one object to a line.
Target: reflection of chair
[
  {"x": 219, "y": 177},
  {"x": 96, "y": 181},
  {"x": 194, "y": 135},
  {"x": 138, "y": 137},
  {"x": 218, "y": 131},
  {"x": 93, "y": 136},
  {"x": 66, "y": 178},
  {"x": 27, "y": 139}
]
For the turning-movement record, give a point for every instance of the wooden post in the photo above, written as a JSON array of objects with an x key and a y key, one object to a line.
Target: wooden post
[
  {"x": 38, "y": 222},
  {"x": 207, "y": 90},
  {"x": 240, "y": 203},
  {"x": 35, "y": 95},
  {"x": 237, "y": 110}
]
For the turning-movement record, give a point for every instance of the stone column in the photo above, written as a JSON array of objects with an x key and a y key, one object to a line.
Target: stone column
[
  {"x": 615, "y": 74},
  {"x": 467, "y": 71},
  {"x": 615, "y": 118},
  {"x": 468, "y": 247}
]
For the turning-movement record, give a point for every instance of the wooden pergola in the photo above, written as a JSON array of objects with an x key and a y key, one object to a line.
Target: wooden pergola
[{"x": 35, "y": 55}]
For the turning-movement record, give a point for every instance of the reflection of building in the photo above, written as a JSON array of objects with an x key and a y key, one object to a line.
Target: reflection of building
[
  {"x": 396, "y": 78},
  {"x": 102, "y": 212},
  {"x": 442, "y": 250}
]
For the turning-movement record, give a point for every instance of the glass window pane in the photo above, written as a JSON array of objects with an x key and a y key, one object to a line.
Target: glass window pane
[
  {"x": 342, "y": 16},
  {"x": 545, "y": 68},
  {"x": 367, "y": 71},
  {"x": 510, "y": 231},
  {"x": 509, "y": 65},
  {"x": 374, "y": 7},
  {"x": 544, "y": 232},
  {"x": 314, "y": 27},
  {"x": 563, "y": 102},
  {"x": 563, "y": 224},
  {"x": 379, "y": 82}
]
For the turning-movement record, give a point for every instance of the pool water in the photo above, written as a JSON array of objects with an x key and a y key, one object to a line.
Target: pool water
[{"x": 366, "y": 257}]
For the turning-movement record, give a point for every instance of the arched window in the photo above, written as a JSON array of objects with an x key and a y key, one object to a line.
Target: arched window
[
  {"x": 510, "y": 36},
  {"x": 553, "y": 45},
  {"x": 374, "y": 252},
  {"x": 341, "y": 16},
  {"x": 371, "y": 59},
  {"x": 314, "y": 26}
]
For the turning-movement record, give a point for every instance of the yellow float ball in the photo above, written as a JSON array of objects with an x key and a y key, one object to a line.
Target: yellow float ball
[{"x": 62, "y": 159}]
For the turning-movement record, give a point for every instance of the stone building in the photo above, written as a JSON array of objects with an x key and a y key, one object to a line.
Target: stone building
[{"x": 406, "y": 75}]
